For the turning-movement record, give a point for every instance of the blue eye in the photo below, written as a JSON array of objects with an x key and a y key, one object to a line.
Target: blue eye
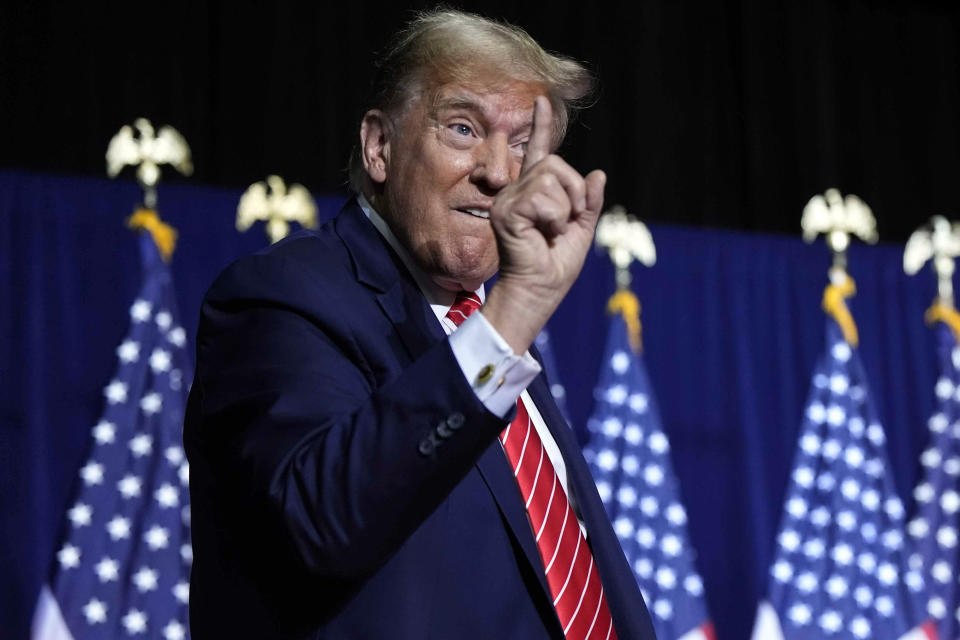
[{"x": 463, "y": 129}]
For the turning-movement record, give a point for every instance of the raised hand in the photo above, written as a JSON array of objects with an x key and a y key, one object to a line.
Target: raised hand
[{"x": 544, "y": 224}]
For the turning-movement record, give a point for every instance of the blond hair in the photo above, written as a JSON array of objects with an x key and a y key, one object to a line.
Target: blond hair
[{"x": 443, "y": 45}]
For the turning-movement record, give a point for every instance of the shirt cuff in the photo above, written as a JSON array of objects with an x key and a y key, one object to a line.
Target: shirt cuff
[{"x": 498, "y": 376}]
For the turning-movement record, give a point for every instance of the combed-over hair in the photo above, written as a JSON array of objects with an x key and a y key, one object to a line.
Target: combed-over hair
[{"x": 443, "y": 45}]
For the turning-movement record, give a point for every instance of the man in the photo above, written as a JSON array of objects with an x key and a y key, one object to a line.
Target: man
[{"x": 346, "y": 472}]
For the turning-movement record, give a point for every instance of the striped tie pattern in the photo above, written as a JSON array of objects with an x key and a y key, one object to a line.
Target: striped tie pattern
[{"x": 568, "y": 563}]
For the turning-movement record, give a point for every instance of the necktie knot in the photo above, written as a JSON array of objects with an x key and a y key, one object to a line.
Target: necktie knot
[{"x": 466, "y": 303}]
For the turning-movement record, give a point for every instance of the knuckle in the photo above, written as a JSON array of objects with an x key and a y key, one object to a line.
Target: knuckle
[
  {"x": 551, "y": 209},
  {"x": 548, "y": 181},
  {"x": 542, "y": 203},
  {"x": 578, "y": 184},
  {"x": 553, "y": 161}
]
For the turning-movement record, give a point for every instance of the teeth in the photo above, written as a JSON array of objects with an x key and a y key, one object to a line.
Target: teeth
[{"x": 480, "y": 213}]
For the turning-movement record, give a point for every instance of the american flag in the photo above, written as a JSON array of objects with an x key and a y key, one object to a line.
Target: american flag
[
  {"x": 123, "y": 568},
  {"x": 629, "y": 455},
  {"x": 934, "y": 528},
  {"x": 840, "y": 566}
]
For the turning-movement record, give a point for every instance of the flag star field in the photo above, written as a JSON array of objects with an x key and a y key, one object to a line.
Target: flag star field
[{"x": 123, "y": 568}]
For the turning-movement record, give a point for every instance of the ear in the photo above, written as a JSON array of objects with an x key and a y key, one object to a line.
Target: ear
[{"x": 375, "y": 144}]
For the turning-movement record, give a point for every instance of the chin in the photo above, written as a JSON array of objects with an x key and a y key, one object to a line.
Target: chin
[{"x": 461, "y": 279}]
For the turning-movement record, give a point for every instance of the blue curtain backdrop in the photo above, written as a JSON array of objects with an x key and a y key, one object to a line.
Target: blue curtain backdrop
[{"x": 732, "y": 326}]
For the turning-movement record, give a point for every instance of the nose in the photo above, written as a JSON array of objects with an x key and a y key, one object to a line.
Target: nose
[{"x": 492, "y": 170}]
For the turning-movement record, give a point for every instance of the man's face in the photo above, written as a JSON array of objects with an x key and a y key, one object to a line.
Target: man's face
[{"x": 444, "y": 161}]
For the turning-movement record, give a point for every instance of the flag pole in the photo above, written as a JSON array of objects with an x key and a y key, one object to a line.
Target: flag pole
[
  {"x": 626, "y": 239},
  {"x": 148, "y": 151},
  {"x": 937, "y": 242}
]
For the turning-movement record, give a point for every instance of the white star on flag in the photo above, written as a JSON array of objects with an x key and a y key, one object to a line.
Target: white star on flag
[
  {"x": 92, "y": 473},
  {"x": 156, "y": 537},
  {"x": 177, "y": 337},
  {"x": 95, "y": 611},
  {"x": 145, "y": 579},
  {"x": 69, "y": 557},
  {"x": 140, "y": 311},
  {"x": 80, "y": 515},
  {"x": 151, "y": 403},
  {"x": 141, "y": 445},
  {"x": 167, "y": 496},
  {"x": 620, "y": 362},
  {"x": 135, "y": 622},
  {"x": 163, "y": 320},
  {"x": 128, "y": 351},
  {"x": 174, "y": 631},
  {"x": 116, "y": 392},
  {"x": 118, "y": 528},
  {"x": 160, "y": 361},
  {"x": 107, "y": 569},
  {"x": 129, "y": 486},
  {"x": 104, "y": 432},
  {"x": 174, "y": 455},
  {"x": 181, "y": 591}
]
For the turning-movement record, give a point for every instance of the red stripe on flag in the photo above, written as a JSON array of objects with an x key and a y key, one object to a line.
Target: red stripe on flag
[
  {"x": 709, "y": 632},
  {"x": 929, "y": 629}
]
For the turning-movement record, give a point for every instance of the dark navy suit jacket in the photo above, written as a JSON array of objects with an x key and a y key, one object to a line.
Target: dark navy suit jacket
[{"x": 345, "y": 480}]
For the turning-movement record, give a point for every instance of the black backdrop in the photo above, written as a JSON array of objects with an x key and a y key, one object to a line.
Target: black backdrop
[{"x": 726, "y": 113}]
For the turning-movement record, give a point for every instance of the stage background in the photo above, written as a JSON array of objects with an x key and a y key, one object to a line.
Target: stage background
[
  {"x": 730, "y": 113},
  {"x": 732, "y": 326},
  {"x": 724, "y": 114}
]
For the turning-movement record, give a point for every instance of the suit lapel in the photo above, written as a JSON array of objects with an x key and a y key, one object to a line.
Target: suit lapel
[
  {"x": 496, "y": 472},
  {"x": 411, "y": 316},
  {"x": 377, "y": 266}
]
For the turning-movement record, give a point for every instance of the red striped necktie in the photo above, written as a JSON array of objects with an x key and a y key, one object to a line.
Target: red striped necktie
[{"x": 571, "y": 573}]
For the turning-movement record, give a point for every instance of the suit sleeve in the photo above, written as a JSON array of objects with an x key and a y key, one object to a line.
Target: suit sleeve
[{"x": 291, "y": 419}]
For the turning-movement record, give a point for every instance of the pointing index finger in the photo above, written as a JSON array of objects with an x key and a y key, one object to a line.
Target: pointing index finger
[{"x": 538, "y": 145}]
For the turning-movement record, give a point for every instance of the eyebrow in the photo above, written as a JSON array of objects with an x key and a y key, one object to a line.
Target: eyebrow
[
  {"x": 466, "y": 102},
  {"x": 458, "y": 102}
]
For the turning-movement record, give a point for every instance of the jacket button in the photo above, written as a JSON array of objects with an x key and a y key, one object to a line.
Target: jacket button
[
  {"x": 456, "y": 420},
  {"x": 443, "y": 430},
  {"x": 426, "y": 447}
]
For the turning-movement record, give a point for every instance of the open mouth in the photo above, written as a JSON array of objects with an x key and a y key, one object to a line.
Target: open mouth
[{"x": 478, "y": 213}]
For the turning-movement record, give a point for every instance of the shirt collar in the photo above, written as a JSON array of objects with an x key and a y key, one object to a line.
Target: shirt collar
[{"x": 439, "y": 298}]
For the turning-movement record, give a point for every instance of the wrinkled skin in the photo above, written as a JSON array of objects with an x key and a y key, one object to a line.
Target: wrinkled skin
[{"x": 468, "y": 183}]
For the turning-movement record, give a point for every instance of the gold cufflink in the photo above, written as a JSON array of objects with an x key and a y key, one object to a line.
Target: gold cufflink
[{"x": 485, "y": 374}]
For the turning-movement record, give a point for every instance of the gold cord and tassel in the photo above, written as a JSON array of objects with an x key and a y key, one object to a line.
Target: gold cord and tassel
[
  {"x": 946, "y": 314},
  {"x": 626, "y": 304},
  {"x": 834, "y": 304},
  {"x": 163, "y": 234}
]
